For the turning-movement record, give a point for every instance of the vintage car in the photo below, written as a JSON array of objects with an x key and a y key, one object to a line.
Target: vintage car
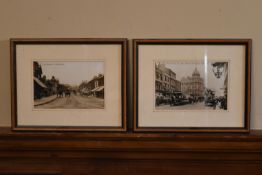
[
  {"x": 210, "y": 98},
  {"x": 159, "y": 99},
  {"x": 178, "y": 98},
  {"x": 210, "y": 101},
  {"x": 162, "y": 99}
]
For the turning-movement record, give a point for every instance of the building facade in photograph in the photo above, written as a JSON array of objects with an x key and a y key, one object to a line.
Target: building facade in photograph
[
  {"x": 165, "y": 80},
  {"x": 193, "y": 85},
  {"x": 94, "y": 87},
  {"x": 43, "y": 87}
]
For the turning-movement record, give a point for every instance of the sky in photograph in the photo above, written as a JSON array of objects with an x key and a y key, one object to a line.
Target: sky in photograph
[
  {"x": 72, "y": 72},
  {"x": 205, "y": 70}
]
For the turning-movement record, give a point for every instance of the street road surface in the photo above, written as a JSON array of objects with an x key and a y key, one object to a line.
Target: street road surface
[
  {"x": 74, "y": 102},
  {"x": 195, "y": 106}
]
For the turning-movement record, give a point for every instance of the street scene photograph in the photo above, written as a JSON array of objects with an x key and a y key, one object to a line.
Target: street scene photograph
[
  {"x": 68, "y": 84},
  {"x": 191, "y": 85}
]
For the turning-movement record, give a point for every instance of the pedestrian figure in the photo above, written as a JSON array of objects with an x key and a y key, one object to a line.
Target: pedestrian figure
[
  {"x": 59, "y": 93},
  {"x": 214, "y": 104},
  {"x": 172, "y": 100},
  {"x": 67, "y": 93}
]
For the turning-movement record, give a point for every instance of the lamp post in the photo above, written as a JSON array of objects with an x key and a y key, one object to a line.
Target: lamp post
[{"x": 218, "y": 68}]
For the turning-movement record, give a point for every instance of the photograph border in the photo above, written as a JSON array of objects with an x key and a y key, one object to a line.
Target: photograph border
[
  {"x": 68, "y": 109},
  {"x": 247, "y": 43},
  {"x": 173, "y": 110},
  {"x": 69, "y": 41}
]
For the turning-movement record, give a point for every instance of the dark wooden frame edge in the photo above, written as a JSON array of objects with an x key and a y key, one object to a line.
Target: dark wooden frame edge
[
  {"x": 248, "y": 47},
  {"x": 124, "y": 44}
]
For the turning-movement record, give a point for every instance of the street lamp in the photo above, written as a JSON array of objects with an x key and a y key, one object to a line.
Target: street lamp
[{"x": 218, "y": 69}]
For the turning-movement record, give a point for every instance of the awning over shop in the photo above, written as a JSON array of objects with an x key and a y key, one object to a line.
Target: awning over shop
[
  {"x": 100, "y": 88},
  {"x": 84, "y": 90},
  {"x": 94, "y": 90},
  {"x": 97, "y": 89},
  {"x": 40, "y": 83}
]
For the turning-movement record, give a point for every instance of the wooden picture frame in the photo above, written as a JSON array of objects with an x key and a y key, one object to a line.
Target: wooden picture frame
[
  {"x": 69, "y": 84},
  {"x": 192, "y": 85}
]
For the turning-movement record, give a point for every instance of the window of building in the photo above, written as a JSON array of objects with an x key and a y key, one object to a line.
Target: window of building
[{"x": 96, "y": 83}]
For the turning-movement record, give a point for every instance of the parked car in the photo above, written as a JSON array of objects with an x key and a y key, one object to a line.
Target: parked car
[
  {"x": 178, "y": 98},
  {"x": 190, "y": 98},
  {"x": 159, "y": 99},
  {"x": 162, "y": 99},
  {"x": 166, "y": 99},
  {"x": 210, "y": 98},
  {"x": 210, "y": 101},
  {"x": 222, "y": 102}
]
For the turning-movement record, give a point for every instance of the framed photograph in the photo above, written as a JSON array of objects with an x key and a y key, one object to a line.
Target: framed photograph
[
  {"x": 197, "y": 85},
  {"x": 69, "y": 84}
]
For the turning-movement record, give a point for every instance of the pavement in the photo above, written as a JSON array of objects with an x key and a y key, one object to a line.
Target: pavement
[
  {"x": 74, "y": 102},
  {"x": 44, "y": 100},
  {"x": 195, "y": 106}
]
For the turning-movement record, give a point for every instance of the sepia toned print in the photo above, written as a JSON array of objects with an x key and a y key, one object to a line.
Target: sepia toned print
[
  {"x": 191, "y": 85},
  {"x": 68, "y": 84}
]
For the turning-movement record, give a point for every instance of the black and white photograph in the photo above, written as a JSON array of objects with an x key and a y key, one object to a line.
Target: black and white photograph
[
  {"x": 61, "y": 84},
  {"x": 191, "y": 85},
  {"x": 68, "y": 84}
]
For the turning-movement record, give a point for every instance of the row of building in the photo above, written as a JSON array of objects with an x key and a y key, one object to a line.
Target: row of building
[
  {"x": 94, "y": 87},
  {"x": 43, "y": 87},
  {"x": 166, "y": 82}
]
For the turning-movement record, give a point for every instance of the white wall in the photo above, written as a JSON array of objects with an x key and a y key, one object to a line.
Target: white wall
[{"x": 130, "y": 19}]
